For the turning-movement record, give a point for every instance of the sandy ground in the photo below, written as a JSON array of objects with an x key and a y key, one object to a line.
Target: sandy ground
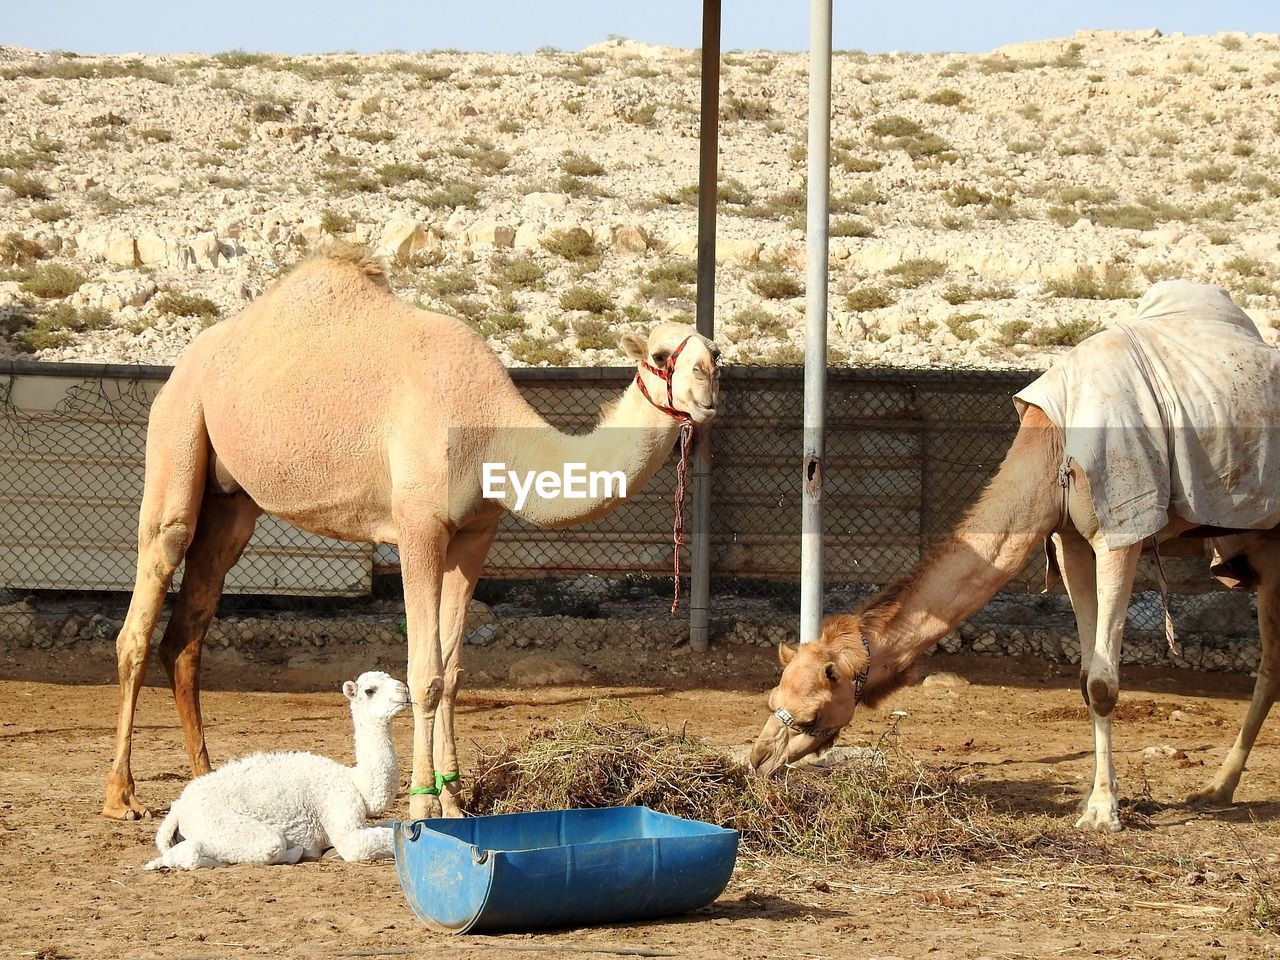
[{"x": 1177, "y": 883}]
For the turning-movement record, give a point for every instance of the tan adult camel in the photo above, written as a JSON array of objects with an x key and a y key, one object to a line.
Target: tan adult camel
[
  {"x": 865, "y": 656},
  {"x": 334, "y": 405}
]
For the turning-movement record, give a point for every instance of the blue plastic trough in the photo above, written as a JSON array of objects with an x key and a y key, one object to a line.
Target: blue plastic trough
[{"x": 562, "y": 868}]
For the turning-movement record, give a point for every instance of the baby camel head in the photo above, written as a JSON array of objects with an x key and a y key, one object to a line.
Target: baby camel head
[
  {"x": 376, "y": 697},
  {"x": 678, "y": 368},
  {"x": 821, "y": 684}
]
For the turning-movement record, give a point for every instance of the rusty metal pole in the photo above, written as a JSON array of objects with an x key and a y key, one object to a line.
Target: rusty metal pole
[
  {"x": 815, "y": 353},
  {"x": 700, "y": 574}
]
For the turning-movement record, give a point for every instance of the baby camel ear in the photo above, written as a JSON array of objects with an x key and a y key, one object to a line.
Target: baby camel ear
[
  {"x": 785, "y": 653},
  {"x": 634, "y": 346},
  {"x": 349, "y": 689}
]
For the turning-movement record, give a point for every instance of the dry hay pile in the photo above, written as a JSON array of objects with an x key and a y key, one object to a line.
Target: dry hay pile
[{"x": 885, "y": 805}]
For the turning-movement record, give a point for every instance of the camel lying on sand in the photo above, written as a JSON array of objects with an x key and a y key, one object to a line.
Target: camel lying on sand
[
  {"x": 284, "y": 807},
  {"x": 1159, "y": 429},
  {"x": 334, "y": 405}
]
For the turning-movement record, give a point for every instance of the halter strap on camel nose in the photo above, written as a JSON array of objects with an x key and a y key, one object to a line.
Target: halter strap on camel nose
[
  {"x": 666, "y": 373},
  {"x": 808, "y": 729},
  {"x": 859, "y": 684}
]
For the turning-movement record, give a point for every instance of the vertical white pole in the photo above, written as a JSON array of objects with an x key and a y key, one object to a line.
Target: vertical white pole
[{"x": 815, "y": 355}]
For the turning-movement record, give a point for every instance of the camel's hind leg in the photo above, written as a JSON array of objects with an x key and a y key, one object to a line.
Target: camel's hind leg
[
  {"x": 226, "y": 524},
  {"x": 1266, "y": 560},
  {"x": 177, "y": 455},
  {"x": 215, "y": 834}
]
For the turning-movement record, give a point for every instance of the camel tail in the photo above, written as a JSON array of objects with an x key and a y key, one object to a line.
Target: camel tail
[{"x": 167, "y": 834}]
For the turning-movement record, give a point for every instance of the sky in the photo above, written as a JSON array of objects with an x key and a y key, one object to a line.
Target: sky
[{"x": 321, "y": 26}]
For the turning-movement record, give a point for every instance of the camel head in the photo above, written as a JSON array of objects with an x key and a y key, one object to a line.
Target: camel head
[
  {"x": 376, "y": 696},
  {"x": 694, "y": 384},
  {"x": 821, "y": 684}
]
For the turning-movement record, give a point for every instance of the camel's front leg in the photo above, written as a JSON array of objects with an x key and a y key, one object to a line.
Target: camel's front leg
[
  {"x": 1079, "y": 574},
  {"x": 1115, "y": 572},
  {"x": 161, "y": 548},
  {"x": 1221, "y": 792},
  {"x": 463, "y": 563},
  {"x": 422, "y": 552}
]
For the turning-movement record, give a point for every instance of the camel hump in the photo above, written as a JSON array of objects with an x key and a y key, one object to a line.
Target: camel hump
[{"x": 341, "y": 255}]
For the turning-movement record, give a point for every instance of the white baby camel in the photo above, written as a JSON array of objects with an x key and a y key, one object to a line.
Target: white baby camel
[{"x": 286, "y": 807}]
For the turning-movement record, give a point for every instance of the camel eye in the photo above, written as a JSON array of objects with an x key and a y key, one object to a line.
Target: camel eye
[
  {"x": 660, "y": 358},
  {"x": 369, "y": 691}
]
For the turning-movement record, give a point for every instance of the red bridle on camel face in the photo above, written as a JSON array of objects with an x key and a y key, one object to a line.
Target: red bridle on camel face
[{"x": 667, "y": 372}]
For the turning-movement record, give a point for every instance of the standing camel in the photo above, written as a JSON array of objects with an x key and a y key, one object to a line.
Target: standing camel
[
  {"x": 1065, "y": 483},
  {"x": 332, "y": 404}
]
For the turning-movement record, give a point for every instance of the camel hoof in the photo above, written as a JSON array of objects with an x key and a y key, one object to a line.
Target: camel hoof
[
  {"x": 1212, "y": 797},
  {"x": 121, "y": 803},
  {"x": 1106, "y": 820},
  {"x": 127, "y": 810}
]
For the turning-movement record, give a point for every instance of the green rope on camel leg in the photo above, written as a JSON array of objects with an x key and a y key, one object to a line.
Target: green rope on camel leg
[
  {"x": 429, "y": 791},
  {"x": 443, "y": 778}
]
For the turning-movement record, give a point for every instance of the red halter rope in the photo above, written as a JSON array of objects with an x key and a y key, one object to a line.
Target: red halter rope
[{"x": 667, "y": 373}]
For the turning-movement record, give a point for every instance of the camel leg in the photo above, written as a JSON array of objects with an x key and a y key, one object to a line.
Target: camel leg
[
  {"x": 463, "y": 563},
  {"x": 177, "y": 452},
  {"x": 1115, "y": 572},
  {"x": 226, "y": 524},
  {"x": 422, "y": 553},
  {"x": 1080, "y": 576},
  {"x": 1221, "y": 791}
]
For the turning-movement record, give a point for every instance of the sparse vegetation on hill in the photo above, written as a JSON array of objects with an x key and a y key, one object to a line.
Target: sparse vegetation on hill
[{"x": 986, "y": 210}]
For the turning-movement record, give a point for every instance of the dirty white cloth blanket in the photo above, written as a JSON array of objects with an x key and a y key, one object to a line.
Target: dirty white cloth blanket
[{"x": 1176, "y": 410}]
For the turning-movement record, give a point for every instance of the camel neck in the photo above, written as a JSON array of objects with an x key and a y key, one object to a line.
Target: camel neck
[
  {"x": 627, "y": 447},
  {"x": 376, "y": 773},
  {"x": 958, "y": 575}
]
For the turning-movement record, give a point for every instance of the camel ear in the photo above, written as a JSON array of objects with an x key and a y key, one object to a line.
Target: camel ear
[
  {"x": 634, "y": 346},
  {"x": 832, "y": 674},
  {"x": 785, "y": 653},
  {"x": 349, "y": 689}
]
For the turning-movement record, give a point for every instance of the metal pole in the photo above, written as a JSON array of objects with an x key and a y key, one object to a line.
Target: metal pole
[
  {"x": 700, "y": 575},
  {"x": 815, "y": 353}
]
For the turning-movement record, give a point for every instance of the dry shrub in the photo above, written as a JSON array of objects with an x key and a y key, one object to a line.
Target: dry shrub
[{"x": 883, "y": 806}]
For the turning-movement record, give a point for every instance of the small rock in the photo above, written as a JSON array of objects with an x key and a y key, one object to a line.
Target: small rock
[
  {"x": 403, "y": 237},
  {"x": 944, "y": 678},
  {"x": 546, "y": 201},
  {"x": 122, "y": 250},
  {"x": 161, "y": 181},
  {"x": 205, "y": 249},
  {"x": 540, "y": 669},
  {"x": 630, "y": 238},
  {"x": 490, "y": 233},
  {"x": 481, "y": 626}
]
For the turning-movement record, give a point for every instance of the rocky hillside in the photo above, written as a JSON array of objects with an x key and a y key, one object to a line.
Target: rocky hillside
[{"x": 987, "y": 210}]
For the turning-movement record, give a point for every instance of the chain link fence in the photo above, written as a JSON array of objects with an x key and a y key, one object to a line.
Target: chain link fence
[{"x": 907, "y": 452}]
